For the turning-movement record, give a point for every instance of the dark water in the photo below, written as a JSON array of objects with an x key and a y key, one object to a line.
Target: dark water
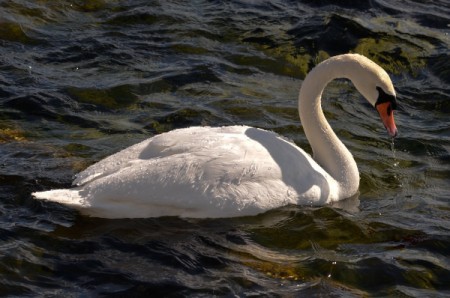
[{"x": 80, "y": 80}]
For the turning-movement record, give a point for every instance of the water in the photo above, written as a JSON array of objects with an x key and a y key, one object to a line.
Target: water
[{"x": 81, "y": 80}]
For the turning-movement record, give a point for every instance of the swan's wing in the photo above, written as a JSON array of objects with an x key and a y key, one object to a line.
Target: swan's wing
[
  {"x": 186, "y": 184},
  {"x": 110, "y": 164}
]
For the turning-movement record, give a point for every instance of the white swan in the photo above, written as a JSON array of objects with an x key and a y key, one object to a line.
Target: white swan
[{"x": 235, "y": 170}]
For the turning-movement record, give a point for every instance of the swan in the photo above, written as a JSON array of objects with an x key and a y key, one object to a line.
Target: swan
[{"x": 233, "y": 171}]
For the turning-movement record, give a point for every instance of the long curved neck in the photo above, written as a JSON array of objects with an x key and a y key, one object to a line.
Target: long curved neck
[{"x": 328, "y": 150}]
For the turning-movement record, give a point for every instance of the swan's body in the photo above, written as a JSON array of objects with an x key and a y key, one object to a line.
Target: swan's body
[{"x": 235, "y": 170}]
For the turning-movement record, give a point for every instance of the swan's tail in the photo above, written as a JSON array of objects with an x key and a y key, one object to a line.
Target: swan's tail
[{"x": 69, "y": 197}]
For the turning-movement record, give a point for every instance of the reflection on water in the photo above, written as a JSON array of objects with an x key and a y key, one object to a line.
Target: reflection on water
[{"x": 81, "y": 80}]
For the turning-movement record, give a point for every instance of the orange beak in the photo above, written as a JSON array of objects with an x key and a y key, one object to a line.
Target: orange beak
[{"x": 387, "y": 116}]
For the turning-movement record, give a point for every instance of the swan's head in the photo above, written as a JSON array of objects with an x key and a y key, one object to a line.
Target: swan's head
[{"x": 375, "y": 85}]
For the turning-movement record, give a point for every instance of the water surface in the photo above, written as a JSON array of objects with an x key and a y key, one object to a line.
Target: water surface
[{"x": 81, "y": 80}]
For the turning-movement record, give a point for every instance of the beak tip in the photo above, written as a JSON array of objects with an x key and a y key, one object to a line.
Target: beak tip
[{"x": 393, "y": 133}]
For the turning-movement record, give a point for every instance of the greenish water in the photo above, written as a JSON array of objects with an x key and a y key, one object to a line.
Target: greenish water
[{"x": 81, "y": 80}]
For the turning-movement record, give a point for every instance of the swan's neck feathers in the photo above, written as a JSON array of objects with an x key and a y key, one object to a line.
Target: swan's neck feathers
[{"x": 328, "y": 150}]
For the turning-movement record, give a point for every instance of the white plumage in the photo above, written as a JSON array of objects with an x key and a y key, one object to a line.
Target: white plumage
[{"x": 198, "y": 172}]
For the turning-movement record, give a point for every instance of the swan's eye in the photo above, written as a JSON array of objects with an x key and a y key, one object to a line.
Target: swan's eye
[{"x": 384, "y": 97}]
